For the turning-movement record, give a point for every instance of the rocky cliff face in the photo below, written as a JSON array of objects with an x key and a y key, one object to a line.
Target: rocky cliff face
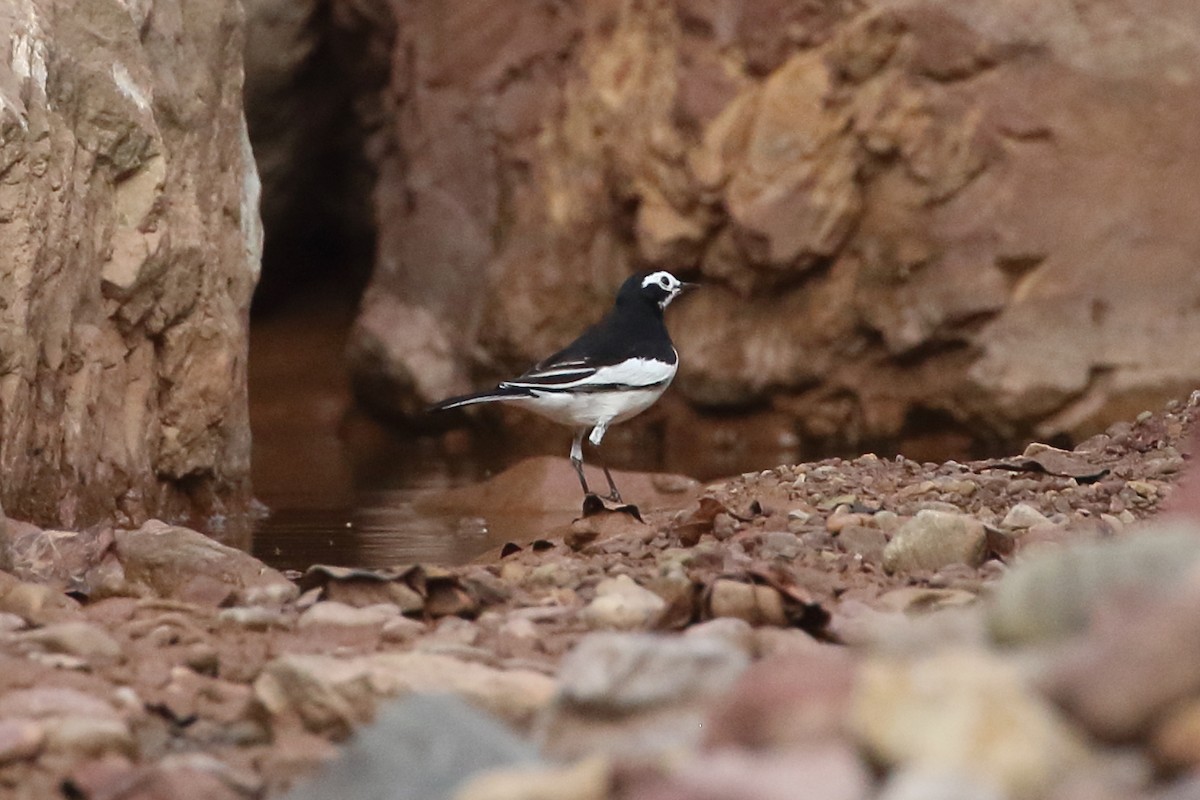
[
  {"x": 909, "y": 213},
  {"x": 129, "y": 247}
]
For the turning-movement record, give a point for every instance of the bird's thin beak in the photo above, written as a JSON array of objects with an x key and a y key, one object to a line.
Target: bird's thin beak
[{"x": 684, "y": 286}]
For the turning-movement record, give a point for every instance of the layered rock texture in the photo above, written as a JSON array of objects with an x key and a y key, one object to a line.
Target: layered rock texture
[
  {"x": 910, "y": 214},
  {"x": 129, "y": 247}
]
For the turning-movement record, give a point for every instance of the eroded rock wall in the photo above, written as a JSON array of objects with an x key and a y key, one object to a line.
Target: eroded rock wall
[
  {"x": 129, "y": 247},
  {"x": 908, "y": 212}
]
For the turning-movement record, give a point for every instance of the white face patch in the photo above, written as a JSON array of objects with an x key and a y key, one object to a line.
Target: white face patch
[{"x": 666, "y": 282}]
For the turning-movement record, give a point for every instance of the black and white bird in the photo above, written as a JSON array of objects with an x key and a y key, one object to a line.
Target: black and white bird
[{"x": 615, "y": 370}]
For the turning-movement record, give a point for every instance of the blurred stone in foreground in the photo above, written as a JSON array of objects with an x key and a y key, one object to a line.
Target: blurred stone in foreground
[{"x": 422, "y": 748}]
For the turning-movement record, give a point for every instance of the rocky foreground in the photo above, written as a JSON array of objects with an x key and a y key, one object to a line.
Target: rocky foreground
[{"x": 844, "y": 629}]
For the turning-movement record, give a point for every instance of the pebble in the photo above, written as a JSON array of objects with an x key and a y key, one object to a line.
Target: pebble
[
  {"x": 724, "y": 526},
  {"x": 934, "y": 539},
  {"x": 331, "y": 612},
  {"x": 1143, "y": 488},
  {"x": 20, "y": 739},
  {"x": 589, "y": 779},
  {"x": 33, "y": 602},
  {"x": 81, "y": 639},
  {"x": 11, "y": 622},
  {"x": 886, "y": 520},
  {"x": 519, "y": 628},
  {"x": 1176, "y": 742},
  {"x": 256, "y": 618},
  {"x": 736, "y": 632},
  {"x": 924, "y": 783},
  {"x": 965, "y": 712},
  {"x": 843, "y": 519},
  {"x": 333, "y": 695},
  {"x": 622, "y": 672},
  {"x": 621, "y": 604},
  {"x": 780, "y": 544},
  {"x": 89, "y": 736},
  {"x": 754, "y": 603},
  {"x": 1023, "y": 515},
  {"x": 424, "y": 746},
  {"x": 868, "y": 543},
  {"x": 1053, "y": 595},
  {"x": 637, "y": 694},
  {"x": 829, "y": 771}
]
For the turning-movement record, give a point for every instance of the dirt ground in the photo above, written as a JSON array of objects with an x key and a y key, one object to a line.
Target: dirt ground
[{"x": 875, "y": 628}]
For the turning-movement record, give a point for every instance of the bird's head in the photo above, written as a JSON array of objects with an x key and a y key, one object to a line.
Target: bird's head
[{"x": 659, "y": 288}]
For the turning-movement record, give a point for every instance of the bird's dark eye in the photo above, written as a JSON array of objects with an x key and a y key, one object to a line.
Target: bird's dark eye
[{"x": 666, "y": 284}]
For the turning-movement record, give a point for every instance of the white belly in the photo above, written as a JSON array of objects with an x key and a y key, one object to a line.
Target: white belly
[{"x": 595, "y": 408}]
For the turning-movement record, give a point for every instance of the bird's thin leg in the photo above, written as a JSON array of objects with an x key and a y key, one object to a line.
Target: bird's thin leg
[
  {"x": 596, "y": 437},
  {"x": 613, "y": 494},
  {"x": 577, "y": 459}
]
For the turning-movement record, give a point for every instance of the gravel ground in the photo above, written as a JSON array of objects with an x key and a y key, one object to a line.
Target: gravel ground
[{"x": 864, "y": 628}]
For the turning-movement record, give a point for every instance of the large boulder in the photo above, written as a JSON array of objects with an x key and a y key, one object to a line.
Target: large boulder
[
  {"x": 131, "y": 244},
  {"x": 910, "y": 214}
]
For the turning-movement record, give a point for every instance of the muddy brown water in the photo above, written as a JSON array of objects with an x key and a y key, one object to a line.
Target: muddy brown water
[{"x": 340, "y": 488}]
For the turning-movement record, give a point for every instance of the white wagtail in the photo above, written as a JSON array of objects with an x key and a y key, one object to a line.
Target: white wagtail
[{"x": 614, "y": 371}]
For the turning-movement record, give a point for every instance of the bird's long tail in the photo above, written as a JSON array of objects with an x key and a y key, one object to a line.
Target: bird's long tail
[{"x": 495, "y": 395}]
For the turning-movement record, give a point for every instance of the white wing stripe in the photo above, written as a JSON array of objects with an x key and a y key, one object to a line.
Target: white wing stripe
[{"x": 633, "y": 372}]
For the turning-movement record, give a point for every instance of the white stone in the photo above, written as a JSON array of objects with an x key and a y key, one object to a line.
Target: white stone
[{"x": 621, "y": 604}]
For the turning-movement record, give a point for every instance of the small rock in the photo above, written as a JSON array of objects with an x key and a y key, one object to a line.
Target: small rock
[
  {"x": 89, "y": 736},
  {"x": 1053, "y": 594},
  {"x": 81, "y": 639},
  {"x": 799, "y": 516},
  {"x": 20, "y": 739},
  {"x": 331, "y": 612},
  {"x": 402, "y": 629},
  {"x": 869, "y": 543},
  {"x": 965, "y": 712},
  {"x": 1139, "y": 659},
  {"x": 780, "y": 544},
  {"x": 934, "y": 539},
  {"x": 887, "y": 521},
  {"x": 924, "y": 783},
  {"x": 74, "y": 723},
  {"x": 519, "y": 628},
  {"x": 334, "y": 694},
  {"x": 829, "y": 771},
  {"x": 1143, "y": 488},
  {"x": 169, "y": 561},
  {"x": 918, "y": 599},
  {"x": 621, "y": 604},
  {"x": 724, "y": 526},
  {"x": 245, "y": 782},
  {"x": 1023, "y": 515},
  {"x": 1176, "y": 742},
  {"x": 35, "y": 603},
  {"x": 589, "y": 779},
  {"x": 792, "y": 700},
  {"x": 257, "y": 618},
  {"x": 426, "y": 746},
  {"x": 11, "y": 622},
  {"x": 840, "y": 520},
  {"x": 754, "y": 603},
  {"x": 637, "y": 695},
  {"x": 736, "y": 632}
]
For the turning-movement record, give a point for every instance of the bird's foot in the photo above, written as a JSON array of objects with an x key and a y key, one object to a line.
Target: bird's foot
[{"x": 594, "y": 504}]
